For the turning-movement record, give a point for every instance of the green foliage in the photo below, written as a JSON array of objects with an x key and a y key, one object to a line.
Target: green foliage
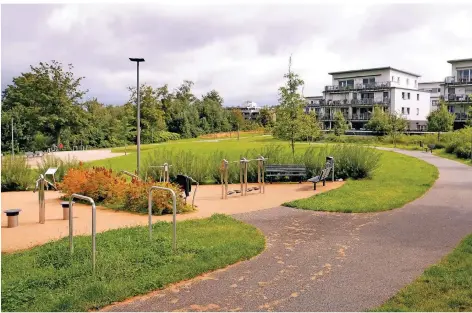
[
  {"x": 48, "y": 278},
  {"x": 443, "y": 287},
  {"x": 396, "y": 125},
  {"x": 309, "y": 128},
  {"x": 468, "y": 122},
  {"x": 398, "y": 180},
  {"x": 340, "y": 125},
  {"x": 440, "y": 120},
  {"x": 379, "y": 120},
  {"x": 16, "y": 173}
]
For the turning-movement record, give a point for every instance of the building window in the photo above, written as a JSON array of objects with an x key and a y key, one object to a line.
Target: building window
[
  {"x": 408, "y": 96},
  {"x": 408, "y": 111},
  {"x": 417, "y": 111},
  {"x": 393, "y": 78},
  {"x": 403, "y": 110},
  {"x": 398, "y": 79},
  {"x": 367, "y": 81},
  {"x": 407, "y": 81},
  {"x": 416, "y": 84},
  {"x": 385, "y": 94},
  {"x": 346, "y": 83},
  {"x": 403, "y": 95},
  {"x": 418, "y": 97}
]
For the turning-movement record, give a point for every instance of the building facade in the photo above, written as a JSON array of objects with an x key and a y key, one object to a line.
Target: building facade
[
  {"x": 355, "y": 93},
  {"x": 458, "y": 90},
  {"x": 249, "y": 109},
  {"x": 435, "y": 90}
]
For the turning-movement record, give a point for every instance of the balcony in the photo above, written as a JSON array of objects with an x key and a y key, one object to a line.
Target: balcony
[
  {"x": 356, "y": 102},
  {"x": 452, "y": 80},
  {"x": 360, "y": 117},
  {"x": 372, "y": 86},
  {"x": 461, "y": 117},
  {"x": 355, "y": 117},
  {"x": 456, "y": 98}
]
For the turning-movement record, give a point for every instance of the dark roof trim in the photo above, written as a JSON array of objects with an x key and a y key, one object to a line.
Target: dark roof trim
[
  {"x": 458, "y": 60},
  {"x": 375, "y": 69},
  {"x": 439, "y": 82}
]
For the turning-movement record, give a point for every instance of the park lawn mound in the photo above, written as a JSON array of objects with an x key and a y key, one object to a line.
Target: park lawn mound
[
  {"x": 444, "y": 287},
  {"x": 47, "y": 278},
  {"x": 398, "y": 180}
]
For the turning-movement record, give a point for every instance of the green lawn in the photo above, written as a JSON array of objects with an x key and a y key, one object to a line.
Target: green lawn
[
  {"x": 46, "y": 278},
  {"x": 398, "y": 180},
  {"x": 446, "y": 286}
]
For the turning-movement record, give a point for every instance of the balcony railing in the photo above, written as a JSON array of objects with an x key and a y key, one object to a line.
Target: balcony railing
[
  {"x": 357, "y": 102},
  {"x": 452, "y": 80},
  {"x": 461, "y": 116},
  {"x": 355, "y": 117},
  {"x": 378, "y": 85},
  {"x": 456, "y": 98}
]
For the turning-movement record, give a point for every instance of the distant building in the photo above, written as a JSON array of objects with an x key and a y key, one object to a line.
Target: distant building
[
  {"x": 249, "y": 109},
  {"x": 355, "y": 93},
  {"x": 457, "y": 90},
  {"x": 434, "y": 89}
]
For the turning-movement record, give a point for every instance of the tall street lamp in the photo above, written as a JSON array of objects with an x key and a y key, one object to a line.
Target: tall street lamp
[{"x": 138, "y": 129}]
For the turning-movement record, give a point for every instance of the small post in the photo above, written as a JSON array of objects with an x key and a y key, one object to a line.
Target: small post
[
  {"x": 42, "y": 207},
  {"x": 245, "y": 176},
  {"x": 241, "y": 180}
]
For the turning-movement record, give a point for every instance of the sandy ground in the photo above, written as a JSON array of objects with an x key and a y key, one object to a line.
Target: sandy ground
[
  {"x": 85, "y": 156},
  {"x": 208, "y": 200}
]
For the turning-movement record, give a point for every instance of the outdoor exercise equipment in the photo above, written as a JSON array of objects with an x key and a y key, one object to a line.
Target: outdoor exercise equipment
[
  {"x": 71, "y": 225},
  {"x": 330, "y": 161},
  {"x": 163, "y": 172},
  {"x": 12, "y": 215},
  {"x": 41, "y": 182},
  {"x": 185, "y": 183},
  {"x": 174, "y": 213},
  {"x": 243, "y": 169},
  {"x": 52, "y": 171},
  {"x": 130, "y": 174}
]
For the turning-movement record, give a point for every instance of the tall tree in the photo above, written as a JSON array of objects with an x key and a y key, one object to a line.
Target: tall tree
[
  {"x": 45, "y": 99},
  {"x": 265, "y": 117},
  {"x": 290, "y": 108},
  {"x": 340, "y": 125},
  {"x": 309, "y": 127},
  {"x": 440, "y": 120}
]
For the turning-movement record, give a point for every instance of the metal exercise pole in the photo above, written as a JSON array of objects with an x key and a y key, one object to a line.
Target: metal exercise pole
[
  {"x": 94, "y": 225},
  {"x": 130, "y": 174},
  {"x": 195, "y": 192},
  {"x": 245, "y": 176},
  {"x": 42, "y": 208},
  {"x": 241, "y": 180},
  {"x": 332, "y": 165},
  {"x": 174, "y": 213},
  {"x": 224, "y": 179}
]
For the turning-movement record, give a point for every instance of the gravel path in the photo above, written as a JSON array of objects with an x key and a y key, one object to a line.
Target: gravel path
[{"x": 317, "y": 261}]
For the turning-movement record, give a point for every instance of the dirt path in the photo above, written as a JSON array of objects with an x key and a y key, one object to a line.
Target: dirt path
[
  {"x": 208, "y": 201},
  {"x": 318, "y": 261},
  {"x": 85, "y": 156}
]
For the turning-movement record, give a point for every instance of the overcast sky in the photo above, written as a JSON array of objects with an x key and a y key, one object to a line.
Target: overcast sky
[{"x": 241, "y": 51}]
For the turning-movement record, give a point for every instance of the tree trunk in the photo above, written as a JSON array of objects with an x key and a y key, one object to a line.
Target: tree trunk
[{"x": 438, "y": 136}]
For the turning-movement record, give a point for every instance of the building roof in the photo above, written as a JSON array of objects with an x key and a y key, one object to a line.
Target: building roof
[
  {"x": 314, "y": 97},
  {"x": 458, "y": 60},
  {"x": 374, "y": 69}
]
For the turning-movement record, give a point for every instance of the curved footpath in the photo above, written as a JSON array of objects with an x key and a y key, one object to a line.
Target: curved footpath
[{"x": 317, "y": 261}]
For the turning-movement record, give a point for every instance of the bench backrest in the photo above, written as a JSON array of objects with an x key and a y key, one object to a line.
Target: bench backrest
[
  {"x": 325, "y": 173},
  {"x": 285, "y": 168}
]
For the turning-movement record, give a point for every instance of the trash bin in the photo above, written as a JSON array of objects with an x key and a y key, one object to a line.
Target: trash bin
[
  {"x": 330, "y": 159},
  {"x": 65, "y": 209}
]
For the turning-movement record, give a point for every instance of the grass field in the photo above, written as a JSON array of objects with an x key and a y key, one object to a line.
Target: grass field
[
  {"x": 46, "y": 278},
  {"x": 450, "y": 156},
  {"x": 444, "y": 287},
  {"x": 399, "y": 180}
]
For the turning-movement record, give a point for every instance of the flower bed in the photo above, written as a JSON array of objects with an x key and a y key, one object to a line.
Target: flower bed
[{"x": 110, "y": 189}]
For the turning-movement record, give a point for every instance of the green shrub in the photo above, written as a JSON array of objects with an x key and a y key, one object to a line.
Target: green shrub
[
  {"x": 62, "y": 165},
  {"x": 352, "y": 161},
  {"x": 16, "y": 173},
  {"x": 164, "y": 136}
]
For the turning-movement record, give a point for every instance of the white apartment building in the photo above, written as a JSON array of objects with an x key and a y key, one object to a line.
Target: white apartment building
[
  {"x": 457, "y": 91},
  {"x": 249, "y": 109},
  {"x": 313, "y": 104},
  {"x": 356, "y": 92},
  {"x": 435, "y": 90}
]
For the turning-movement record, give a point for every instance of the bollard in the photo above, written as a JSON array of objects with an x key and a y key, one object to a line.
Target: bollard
[{"x": 174, "y": 213}]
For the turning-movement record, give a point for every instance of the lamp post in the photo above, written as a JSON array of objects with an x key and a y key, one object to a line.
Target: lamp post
[{"x": 138, "y": 129}]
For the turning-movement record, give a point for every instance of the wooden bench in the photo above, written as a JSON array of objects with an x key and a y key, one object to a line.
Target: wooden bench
[
  {"x": 285, "y": 170},
  {"x": 322, "y": 177}
]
